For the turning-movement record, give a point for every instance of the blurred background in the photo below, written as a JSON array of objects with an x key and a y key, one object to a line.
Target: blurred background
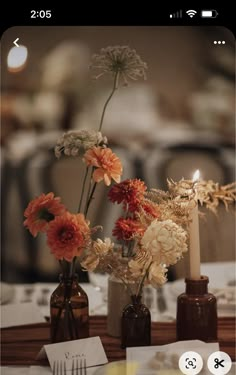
[{"x": 180, "y": 119}]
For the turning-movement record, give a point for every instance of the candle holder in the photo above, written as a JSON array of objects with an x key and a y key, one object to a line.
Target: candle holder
[{"x": 196, "y": 312}]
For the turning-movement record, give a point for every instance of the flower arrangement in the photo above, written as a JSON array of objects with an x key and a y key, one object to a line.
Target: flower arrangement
[{"x": 152, "y": 233}]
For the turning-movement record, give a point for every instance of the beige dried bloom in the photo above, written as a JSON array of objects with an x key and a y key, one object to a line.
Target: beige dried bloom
[
  {"x": 166, "y": 241},
  {"x": 75, "y": 143},
  {"x": 90, "y": 262},
  {"x": 208, "y": 193},
  {"x": 157, "y": 275},
  {"x": 120, "y": 60},
  {"x": 101, "y": 248},
  {"x": 140, "y": 262},
  {"x": 211, "y": 194},
  {"x": 182, "y": 188}
]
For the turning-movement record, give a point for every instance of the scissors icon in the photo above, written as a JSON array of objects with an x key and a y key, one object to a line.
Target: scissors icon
[{"x": 218, "y": 363}]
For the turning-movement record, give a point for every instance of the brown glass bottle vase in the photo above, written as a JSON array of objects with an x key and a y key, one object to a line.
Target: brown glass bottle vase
[
  {"x": 69, "y": 311},
  {"x": 196, "y": 312},
  {"x": 135, "y": 324}
]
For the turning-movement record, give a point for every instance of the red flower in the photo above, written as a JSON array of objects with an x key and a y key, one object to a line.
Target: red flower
[
  {"x": 40, "y": 211},
  {"x": 68, "y": 235},
  {"x": 126, "y": 229},
  {"x": 150, "y": 209},
  {"x": 130, "y": 192}
]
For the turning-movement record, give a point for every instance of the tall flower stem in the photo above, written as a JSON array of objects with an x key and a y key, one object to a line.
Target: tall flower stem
[
  {"x": 88, "y": 192},
  {"x": 83, "y": 187},
  {"x": 115, "y": 87},
  {"x": 90, "y": 199}
]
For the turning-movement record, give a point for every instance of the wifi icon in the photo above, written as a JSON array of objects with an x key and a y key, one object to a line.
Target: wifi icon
[{"x": 191, "y": 13}]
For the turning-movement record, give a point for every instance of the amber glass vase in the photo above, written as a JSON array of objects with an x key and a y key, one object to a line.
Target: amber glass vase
[
  {"x": 69, "y": 311},
  {"x": 196, "y": 312},
  {"x": 135, "y": 324}
]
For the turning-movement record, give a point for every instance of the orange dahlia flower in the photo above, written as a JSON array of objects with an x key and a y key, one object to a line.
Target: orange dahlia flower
[
  {"x": 68, "y": 235},
  {"x": 40, "y": 211},
  {"x": 108, "y": 165}
]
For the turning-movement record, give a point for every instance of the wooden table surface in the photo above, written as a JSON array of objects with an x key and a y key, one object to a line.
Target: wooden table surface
[{"x": 20, "y": 345}]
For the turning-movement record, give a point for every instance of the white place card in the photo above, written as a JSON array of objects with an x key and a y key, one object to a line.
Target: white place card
[
  {"x": 20, "y": 314},
  {"x": 165, "y": 358},
  {"x": 90, "y": 348}
]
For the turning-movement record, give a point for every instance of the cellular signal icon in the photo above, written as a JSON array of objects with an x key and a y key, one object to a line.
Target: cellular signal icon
[
  {"x": 191, "y": 13},
  {"x": 178, "y": 14}
]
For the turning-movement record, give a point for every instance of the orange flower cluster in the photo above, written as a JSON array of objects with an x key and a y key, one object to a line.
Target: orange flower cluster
[
  {"x": 41, "y": 211},
  {"x": 67, "y": 234}
]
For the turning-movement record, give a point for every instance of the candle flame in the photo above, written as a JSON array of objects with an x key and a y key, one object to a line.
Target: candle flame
[{"x": 196, "y": 175}]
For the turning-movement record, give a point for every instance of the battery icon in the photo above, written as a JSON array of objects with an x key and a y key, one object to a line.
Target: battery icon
[{"x": 209, "y": 13}]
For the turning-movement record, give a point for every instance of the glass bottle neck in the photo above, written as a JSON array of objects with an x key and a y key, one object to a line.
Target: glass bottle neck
[
  {"x": 136, "y": 299},
  {"x": 65, "y": 278},
  {"x": 197, "y": 287}
]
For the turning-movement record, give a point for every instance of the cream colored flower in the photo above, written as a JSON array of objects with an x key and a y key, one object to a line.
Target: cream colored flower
[
  {"x": 101, "y": 248},
  {"x": 139, "y": 264},
  {"x": 74, "y": 143},
  {"x": 120, "y": 60},
  {"x": 157, "y": 275},
  {"x": 90, "y": 262},
  {"x": 166, "y": 241}
]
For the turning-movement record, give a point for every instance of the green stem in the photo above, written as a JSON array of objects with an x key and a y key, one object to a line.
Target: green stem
[
  {"x": 89, "y": 188},
  {"x": 115, "y": 87},
  {"x": 83, "y": 187},
  {"x": 90, "y": 199}
]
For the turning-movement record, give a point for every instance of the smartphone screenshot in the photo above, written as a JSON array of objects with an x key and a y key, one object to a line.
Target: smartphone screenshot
[{"x": 118, "y": 194}]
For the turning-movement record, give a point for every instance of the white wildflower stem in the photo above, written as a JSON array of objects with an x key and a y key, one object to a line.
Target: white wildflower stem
[
  {"x": 115, "y": 87},
  {"x": 83, "y": 188}
]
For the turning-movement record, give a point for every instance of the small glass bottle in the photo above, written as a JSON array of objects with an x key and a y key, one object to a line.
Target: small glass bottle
[
  {"x": 69, "y": 311},
  {"x": 196, "y": 312},
  {"x": 135, "y": 324}
]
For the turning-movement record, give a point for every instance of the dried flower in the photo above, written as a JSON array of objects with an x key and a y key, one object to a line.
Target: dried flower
[
  {"x": 211, "y": 194},
  {"x": 157, "y": 274},
  {"x": 75, "y": 143},
  {"x": 120, "y": 60},
  {"x": 140, "y": 262},
  {"x": 40, "y": 211},
  {"x": 90, "y": 263},
  {"x": 166, "y": 241},
  {"x": 129, "y": 192},
  {"x": 101, "y": 248},
  {"x": 97, "y": 251},
  {"x": 68, "y": 235},
  {"x": 107, "y": 164},
  {"x": 127, "y": 229}
]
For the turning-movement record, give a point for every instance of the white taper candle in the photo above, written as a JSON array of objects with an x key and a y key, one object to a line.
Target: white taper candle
[{"x": 194, "y": 235}]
